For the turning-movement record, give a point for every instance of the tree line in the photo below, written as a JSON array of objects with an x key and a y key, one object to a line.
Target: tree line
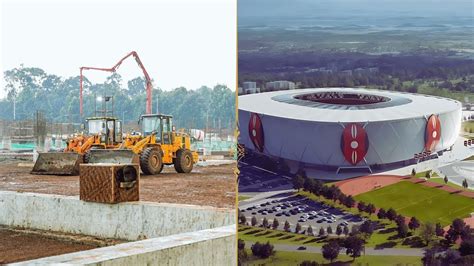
[
  {"x": 30, "y": 89},
  {"x": 392, "y": 70}
]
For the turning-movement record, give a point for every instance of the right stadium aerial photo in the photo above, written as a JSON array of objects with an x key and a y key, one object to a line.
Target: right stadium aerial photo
[{"x": 356, "y": 132}]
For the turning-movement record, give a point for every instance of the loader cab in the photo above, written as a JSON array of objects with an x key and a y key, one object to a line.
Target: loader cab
[
  {"x": 161, "y": 124},
  {"x": 108, "y": 128}
]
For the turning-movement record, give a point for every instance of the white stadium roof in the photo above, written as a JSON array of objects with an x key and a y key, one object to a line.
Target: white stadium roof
[{"x": 345, "y": 105}]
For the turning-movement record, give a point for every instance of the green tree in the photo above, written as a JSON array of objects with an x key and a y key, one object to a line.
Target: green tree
[
  {"x": 346, "y": 230},
  {"x": 265, "y": 223},
  {"x": 331, "y": 250},
  {"x": 354, "y": 246},
  {"x": 298, "y": 182},
  {"x": 414, "y": 223},
  {"x": 298, "y": 228},
  {"x": 286, "y": 227},
  {"x": 428, "y": 174},
  {"x": 242, "y": 219},
  {"x": 310, "y": 230},
  {"x": 338, "y": 230},
  {"x": 439, "y": 230},
  {"x": 275, "y": 224},
  {"x": 427, "y": 232},
  {"x": 321, "y": 232},
  {"x": 254, "y": 221},
  {"x": 329, "y": 230}
]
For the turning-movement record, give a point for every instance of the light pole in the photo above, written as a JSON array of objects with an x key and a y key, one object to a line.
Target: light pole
[
  {"x": 157, "y": 103},
  {"x": 14, "y": 108},
  {"x": 123, "y": 117}
]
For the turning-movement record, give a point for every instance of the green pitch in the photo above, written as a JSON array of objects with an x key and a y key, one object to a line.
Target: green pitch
[{"x": 425, "y": 203}]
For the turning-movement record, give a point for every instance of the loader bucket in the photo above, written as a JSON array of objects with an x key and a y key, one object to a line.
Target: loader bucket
[
  {"x": 119, "y": 156},
  {"x": 57, "y": 163}
]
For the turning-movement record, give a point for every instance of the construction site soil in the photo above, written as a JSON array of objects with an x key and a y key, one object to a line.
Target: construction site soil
[
  {"x": 206, "y": 185},
  {"x": 20, "y": 245}
]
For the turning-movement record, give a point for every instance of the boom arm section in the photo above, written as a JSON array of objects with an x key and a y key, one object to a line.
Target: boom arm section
[{"x": 114, "y": 69}]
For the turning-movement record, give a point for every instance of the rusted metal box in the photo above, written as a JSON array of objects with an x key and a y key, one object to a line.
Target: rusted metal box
[{"x": 109, "y": 183}]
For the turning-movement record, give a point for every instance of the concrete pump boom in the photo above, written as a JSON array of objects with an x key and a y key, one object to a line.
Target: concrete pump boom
[{"x": 114, "y": 69}]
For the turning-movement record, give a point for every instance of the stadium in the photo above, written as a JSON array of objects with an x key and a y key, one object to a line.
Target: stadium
[{"x": 347, "y": 130}]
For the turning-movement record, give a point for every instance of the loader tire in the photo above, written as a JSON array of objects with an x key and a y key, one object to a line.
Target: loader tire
[
  {"x": 151, "y": 162},
  {"x": 183, "y": 163}
]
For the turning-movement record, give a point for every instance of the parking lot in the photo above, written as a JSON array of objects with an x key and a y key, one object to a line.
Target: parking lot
[
  {"x": 255, "y": 179},
  {"x": 297, "y": 209}
]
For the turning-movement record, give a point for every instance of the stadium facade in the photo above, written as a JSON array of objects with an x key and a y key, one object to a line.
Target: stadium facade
[{"x": 347, "y": 129}]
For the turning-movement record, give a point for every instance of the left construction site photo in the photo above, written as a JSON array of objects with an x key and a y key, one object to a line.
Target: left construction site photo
[{"x": 117, "y": 132}]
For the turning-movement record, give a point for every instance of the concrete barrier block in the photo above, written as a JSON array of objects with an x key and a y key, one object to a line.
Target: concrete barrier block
[
  {"x": 128, "y": 220},
  {"x": 206, "y": 247}
]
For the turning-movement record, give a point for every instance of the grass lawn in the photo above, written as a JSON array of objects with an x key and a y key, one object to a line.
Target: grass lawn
[
  {"x": 423, "y": 174},
  {"x": 427, "y": 204},
  {"x": 243, "y": 198},
  {"x": 469, "y": 158},
  {"x": 468, "y": 126},
  {"x": 295, "y": 258}
]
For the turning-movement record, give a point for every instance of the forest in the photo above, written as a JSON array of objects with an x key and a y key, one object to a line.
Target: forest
[
  {"x": 29, "y": 89},
  {"x": 434, "y": 73}
]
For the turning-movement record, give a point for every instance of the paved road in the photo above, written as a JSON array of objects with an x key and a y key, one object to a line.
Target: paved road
[
  {"x": 459, "y": 171},
  {"x": 416, "y": 252},
  {"x": 253, "y": 179}
]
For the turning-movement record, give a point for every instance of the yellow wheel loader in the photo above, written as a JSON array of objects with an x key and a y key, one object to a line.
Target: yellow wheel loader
[
  {"x": 102, "y": 133},
  {"x": 156, "y": 145}
]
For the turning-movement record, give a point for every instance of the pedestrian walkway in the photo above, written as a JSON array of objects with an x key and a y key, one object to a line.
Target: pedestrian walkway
[{"x": 417, "y": 252}]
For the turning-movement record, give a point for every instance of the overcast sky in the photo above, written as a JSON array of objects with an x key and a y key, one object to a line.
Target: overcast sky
[
  {"x": 371, "y": 8},
  {"x": 181, "y": 42}
]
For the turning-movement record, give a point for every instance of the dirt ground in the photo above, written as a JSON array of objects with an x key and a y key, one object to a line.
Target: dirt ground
[
  {"x": 20, "y": 245},
  {"x": 207, "y": 186},
  {"x": 364, "y": 184}
]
